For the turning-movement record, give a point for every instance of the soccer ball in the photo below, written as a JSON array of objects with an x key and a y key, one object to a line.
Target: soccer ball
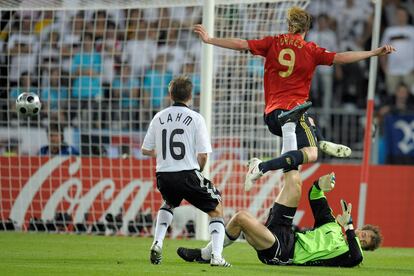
[{"x": 28, "y": 104}]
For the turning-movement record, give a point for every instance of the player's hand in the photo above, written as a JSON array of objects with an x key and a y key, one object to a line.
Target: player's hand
[
  {"x": 345, "y": 219},
  {"x": 202, "y": 33},
  {"x": 384, "y": 50}
]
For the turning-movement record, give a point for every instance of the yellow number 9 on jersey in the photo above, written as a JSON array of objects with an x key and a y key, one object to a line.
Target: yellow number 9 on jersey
[{"x": 290, "y": 63}]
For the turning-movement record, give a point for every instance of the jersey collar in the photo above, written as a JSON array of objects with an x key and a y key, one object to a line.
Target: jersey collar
[
  {"x": 298, "y": 36},
  {"x": 179, "y": 104}
]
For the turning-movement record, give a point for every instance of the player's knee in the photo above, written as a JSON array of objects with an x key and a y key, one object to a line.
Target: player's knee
[
  {"x": 311, "y": 154},
  {"x": 218, "y": 212},
  {"x": 241, "y": 217}
]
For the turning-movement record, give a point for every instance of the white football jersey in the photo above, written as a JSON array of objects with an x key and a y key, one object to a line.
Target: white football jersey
[{"x": 177, "y": 134}]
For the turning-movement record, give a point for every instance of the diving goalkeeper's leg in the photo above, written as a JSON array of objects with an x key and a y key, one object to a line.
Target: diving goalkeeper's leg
[{"x": 256, "y": 234}]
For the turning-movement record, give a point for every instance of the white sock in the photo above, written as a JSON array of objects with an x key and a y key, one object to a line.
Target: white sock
[
  {"x": 289, "y": 137},
  {"x": 228, "y": 240},
  {"x": 216, "y": 229},
  {"x": 164, "y": 219},
  {"x": 206, "y": 251}
]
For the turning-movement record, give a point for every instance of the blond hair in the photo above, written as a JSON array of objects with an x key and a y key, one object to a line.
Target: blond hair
[{"x": 298, "y": 20}]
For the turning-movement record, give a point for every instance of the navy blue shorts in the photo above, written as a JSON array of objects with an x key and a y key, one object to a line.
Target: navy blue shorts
[
  {"x": 305, "y": 134},
  {"x": 279, "y": 223}
]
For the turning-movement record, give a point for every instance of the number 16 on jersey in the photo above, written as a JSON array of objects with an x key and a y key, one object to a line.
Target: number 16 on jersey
[{"x": 176, "y": 148}]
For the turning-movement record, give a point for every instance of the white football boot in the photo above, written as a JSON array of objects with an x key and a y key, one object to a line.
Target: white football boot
[
  {"x": 333, "y": 149},
  {"x": 253, "y": 173},
  {"x": 219, "y": 261},
  {"x": 156, "y": 254}
]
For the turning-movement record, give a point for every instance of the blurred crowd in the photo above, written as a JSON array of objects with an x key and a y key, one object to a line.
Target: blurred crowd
[
  {"x": 110, "y": 69},
  {"x": 347, "y": 25},
  {"x": 95, "y": 68}
]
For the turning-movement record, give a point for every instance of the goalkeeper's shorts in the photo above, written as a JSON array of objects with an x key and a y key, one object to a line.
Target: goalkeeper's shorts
[
  {"x": 279, "y": 223},
  {"x": 305, "y": 134}
]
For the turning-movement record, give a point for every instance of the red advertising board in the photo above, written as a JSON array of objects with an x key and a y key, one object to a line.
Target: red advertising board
[{"x": 39, "y": 187}]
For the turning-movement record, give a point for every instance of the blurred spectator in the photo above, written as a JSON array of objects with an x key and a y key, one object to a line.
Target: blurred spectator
[
  {"x": 45, "y": 20},
  {"x": 23, "y": 46},
  {"x": 351, "y": 21},
  {"x": 390, "y": 8},
  {"x": 135, "y": 23},
  {"x": 158, "y": 16},
  {"x": 156, "y": 80},
  {"x": 189, "y": 69},
  {"x": 126, "y": 92},
  {"x": 350, "y": 18},
  {"x": 399, "y": 67},
  {"x": 401, "y": 103},
  {"x": 72, "y": 33},
  {"x": 86, "y": 69},
  {"x": 50, "y": 46},
  {"x": 172, "y": 50},
  {"x": 24, "y": 85},
  {"x": 322, "y": 82},
  {"x": 151, "y": 15},
  {"x": 49, "y": 55},
  {"x": 9, "y": 148},
  {"x": 317, "y": 7},
  {"x": 143, "y": 39},
  {"x": 97, "y": 25},
  {"x": 255, "y": 67},
  {"x": 54, "y": 95},
  {"x": 56, "y": 145},
  {"x": 86, "y": 86},
  {"x": 71, "y": 36},
  {"x": 186, "y": 16},
  {"x": 111, "y": 50}
]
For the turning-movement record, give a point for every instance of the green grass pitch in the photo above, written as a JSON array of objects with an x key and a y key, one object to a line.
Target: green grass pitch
[{"x": 64, "y": 254}]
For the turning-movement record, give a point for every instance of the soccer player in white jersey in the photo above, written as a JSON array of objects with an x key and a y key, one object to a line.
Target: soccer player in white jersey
[{"x": 178, "y": 138}]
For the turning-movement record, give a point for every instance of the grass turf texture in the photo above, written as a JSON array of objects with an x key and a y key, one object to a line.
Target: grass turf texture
[{"x": 58, "y": 254}]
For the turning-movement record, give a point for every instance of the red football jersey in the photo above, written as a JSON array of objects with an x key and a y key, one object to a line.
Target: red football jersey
[{"x": 289, "y": 66}]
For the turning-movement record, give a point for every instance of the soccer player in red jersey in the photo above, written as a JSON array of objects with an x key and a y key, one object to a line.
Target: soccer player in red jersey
[{"x": 289, "y": 65}]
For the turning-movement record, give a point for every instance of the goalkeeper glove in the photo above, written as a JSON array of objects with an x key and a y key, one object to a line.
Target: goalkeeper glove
[
  {"x": 345, "y": 220},
  {"x": 327, "y": 182}
]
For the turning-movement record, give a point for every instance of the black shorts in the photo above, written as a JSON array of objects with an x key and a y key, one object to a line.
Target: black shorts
[
  {"x": 305, "y": 134},
  {"x": 279, "y": 223},
  {"x": 188, "y": 185}
]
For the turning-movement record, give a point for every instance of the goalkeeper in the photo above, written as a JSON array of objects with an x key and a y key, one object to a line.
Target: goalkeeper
[{"x": 277, "y": 244}]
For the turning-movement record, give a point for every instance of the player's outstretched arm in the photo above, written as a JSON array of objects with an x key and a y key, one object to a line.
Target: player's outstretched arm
[
  {"x": 354, "y": 56},
  {"x": 229, "y": 43}
]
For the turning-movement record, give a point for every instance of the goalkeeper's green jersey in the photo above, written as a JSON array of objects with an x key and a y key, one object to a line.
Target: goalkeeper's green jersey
[{"x": 322, "y": 243}]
